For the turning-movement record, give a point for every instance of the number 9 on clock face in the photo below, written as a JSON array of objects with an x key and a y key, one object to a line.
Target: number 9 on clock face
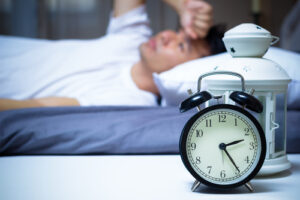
[{"x": 223, "y": 146}]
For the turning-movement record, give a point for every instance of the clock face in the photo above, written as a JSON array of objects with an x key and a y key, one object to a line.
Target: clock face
[{"x": 223, "y": 146}]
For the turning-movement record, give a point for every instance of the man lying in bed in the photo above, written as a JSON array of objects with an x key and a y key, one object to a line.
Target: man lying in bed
[{"x": 126, "y": 58}]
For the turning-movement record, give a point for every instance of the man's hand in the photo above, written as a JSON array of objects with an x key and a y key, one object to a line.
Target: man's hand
[{"x": 196, "y": 17}]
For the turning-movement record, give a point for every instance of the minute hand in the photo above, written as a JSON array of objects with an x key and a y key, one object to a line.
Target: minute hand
[
  {"x": 231, "y": 160},
  {"x": 222, "y": 146},
  {"x": 234, "y": 142}
]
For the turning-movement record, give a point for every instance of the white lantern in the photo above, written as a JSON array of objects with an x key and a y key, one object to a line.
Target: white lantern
[{"x": 269, "y": 82}]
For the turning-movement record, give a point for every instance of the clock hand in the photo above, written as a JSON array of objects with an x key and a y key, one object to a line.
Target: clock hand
[
  {"x": 231, "y": 160},
  {"x": 222, "y": 146},
  {"x": 234, "y": 142}
]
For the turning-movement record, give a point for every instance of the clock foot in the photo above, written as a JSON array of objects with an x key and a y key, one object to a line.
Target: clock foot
[
  {"x": 195, "y": 185},
  {"x": 249, "y": 187}
]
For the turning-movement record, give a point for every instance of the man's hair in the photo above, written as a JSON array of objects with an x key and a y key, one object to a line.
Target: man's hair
[{"x": 214, "y": 38}]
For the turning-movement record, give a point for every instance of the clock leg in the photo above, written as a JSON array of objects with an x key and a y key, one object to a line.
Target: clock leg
[
  {"x": 195, "y": 185},
  {"x": 249, "y": 187}
]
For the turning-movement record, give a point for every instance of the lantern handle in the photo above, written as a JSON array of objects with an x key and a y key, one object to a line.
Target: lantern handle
[{"x": 221, "y": 72}]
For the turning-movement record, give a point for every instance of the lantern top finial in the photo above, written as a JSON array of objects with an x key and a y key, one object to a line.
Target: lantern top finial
[{"x": 248, "y": 40}]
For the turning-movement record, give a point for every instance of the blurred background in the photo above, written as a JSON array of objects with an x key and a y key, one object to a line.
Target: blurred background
[{"x": 83, "y": 19}]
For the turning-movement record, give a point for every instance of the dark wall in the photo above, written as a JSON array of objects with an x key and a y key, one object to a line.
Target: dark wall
[{"x": 39, "y": 19}]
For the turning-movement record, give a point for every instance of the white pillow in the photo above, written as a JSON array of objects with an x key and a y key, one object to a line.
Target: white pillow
[{"x": 173, "y": 84}]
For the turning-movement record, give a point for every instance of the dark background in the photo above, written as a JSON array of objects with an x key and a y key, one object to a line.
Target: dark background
[{"x": 58, "y": 19}]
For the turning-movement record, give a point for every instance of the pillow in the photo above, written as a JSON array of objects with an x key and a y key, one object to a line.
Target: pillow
[{"x": 173, "y": 84}]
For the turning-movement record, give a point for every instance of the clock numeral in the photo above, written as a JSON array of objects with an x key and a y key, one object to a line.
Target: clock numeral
[
  {"x": 247, "y": 131},
  {"x": 198, "y": 161},
  {"x": 222, "y": 118},
  {"x": 208, "y": 123},
  {"x": 193, "y": 146},
  {"x": 235, "y": 121},
  {"x": 222, "y": 174},
  {"x": 199, "y": 133},
  {"x": 209, "y": 169},
  {"x": 247, "y": 159},
  {"x": 252, "y": 146}
]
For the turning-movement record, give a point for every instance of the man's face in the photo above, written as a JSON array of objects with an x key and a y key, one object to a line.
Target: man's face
[{"x": 168, "y": 49}]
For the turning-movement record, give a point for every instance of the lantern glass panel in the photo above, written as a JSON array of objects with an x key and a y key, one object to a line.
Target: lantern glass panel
[{"x": 280, "y": 117}]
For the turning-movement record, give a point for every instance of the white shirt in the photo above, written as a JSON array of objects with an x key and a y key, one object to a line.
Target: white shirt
[{"x": 95, "y": 72}]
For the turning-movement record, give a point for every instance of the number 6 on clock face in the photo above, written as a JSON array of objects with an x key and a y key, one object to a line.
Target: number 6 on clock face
[{"x": 223, "y": 146}]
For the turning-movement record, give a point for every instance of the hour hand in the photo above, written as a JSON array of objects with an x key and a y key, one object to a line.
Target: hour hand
[{"x": 234, "y": 142}]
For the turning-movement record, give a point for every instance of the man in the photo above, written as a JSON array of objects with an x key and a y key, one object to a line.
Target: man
[{"x": 127, "y": 78}]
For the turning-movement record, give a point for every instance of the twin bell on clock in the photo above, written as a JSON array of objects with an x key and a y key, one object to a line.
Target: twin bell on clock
[{"x": 225, "y": 145}]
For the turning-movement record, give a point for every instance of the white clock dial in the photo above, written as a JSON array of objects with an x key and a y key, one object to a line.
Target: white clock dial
[{"x": 223, "y": 146}]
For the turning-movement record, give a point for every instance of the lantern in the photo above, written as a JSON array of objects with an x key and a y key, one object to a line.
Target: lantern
[{"x": 247, "y": 43}]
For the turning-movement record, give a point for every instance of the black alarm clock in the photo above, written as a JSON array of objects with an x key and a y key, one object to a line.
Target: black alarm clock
[{"x": 223, "y": 145}]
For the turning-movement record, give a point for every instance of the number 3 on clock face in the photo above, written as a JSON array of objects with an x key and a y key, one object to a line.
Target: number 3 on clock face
[{"x": 223, "y": 146}]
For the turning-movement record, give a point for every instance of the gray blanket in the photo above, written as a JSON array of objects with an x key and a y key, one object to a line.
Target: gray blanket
[{"x": 102, "y": 130}]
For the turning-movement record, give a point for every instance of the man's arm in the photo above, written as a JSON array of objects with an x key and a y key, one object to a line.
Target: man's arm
[
  {"x": 196, "y": 16},
  {"x": 121, "y": 7},
  {"x": 9, "y": 104}
]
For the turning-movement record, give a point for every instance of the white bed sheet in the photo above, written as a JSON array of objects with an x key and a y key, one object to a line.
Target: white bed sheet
[{"x": 125, "y": 177}]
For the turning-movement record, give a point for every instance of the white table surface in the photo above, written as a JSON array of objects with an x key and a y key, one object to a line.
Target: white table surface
[{"x": 126, "y": 177}]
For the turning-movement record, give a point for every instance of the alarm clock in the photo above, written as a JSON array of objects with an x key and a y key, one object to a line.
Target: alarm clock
[{"x": 223, "y": 145}]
